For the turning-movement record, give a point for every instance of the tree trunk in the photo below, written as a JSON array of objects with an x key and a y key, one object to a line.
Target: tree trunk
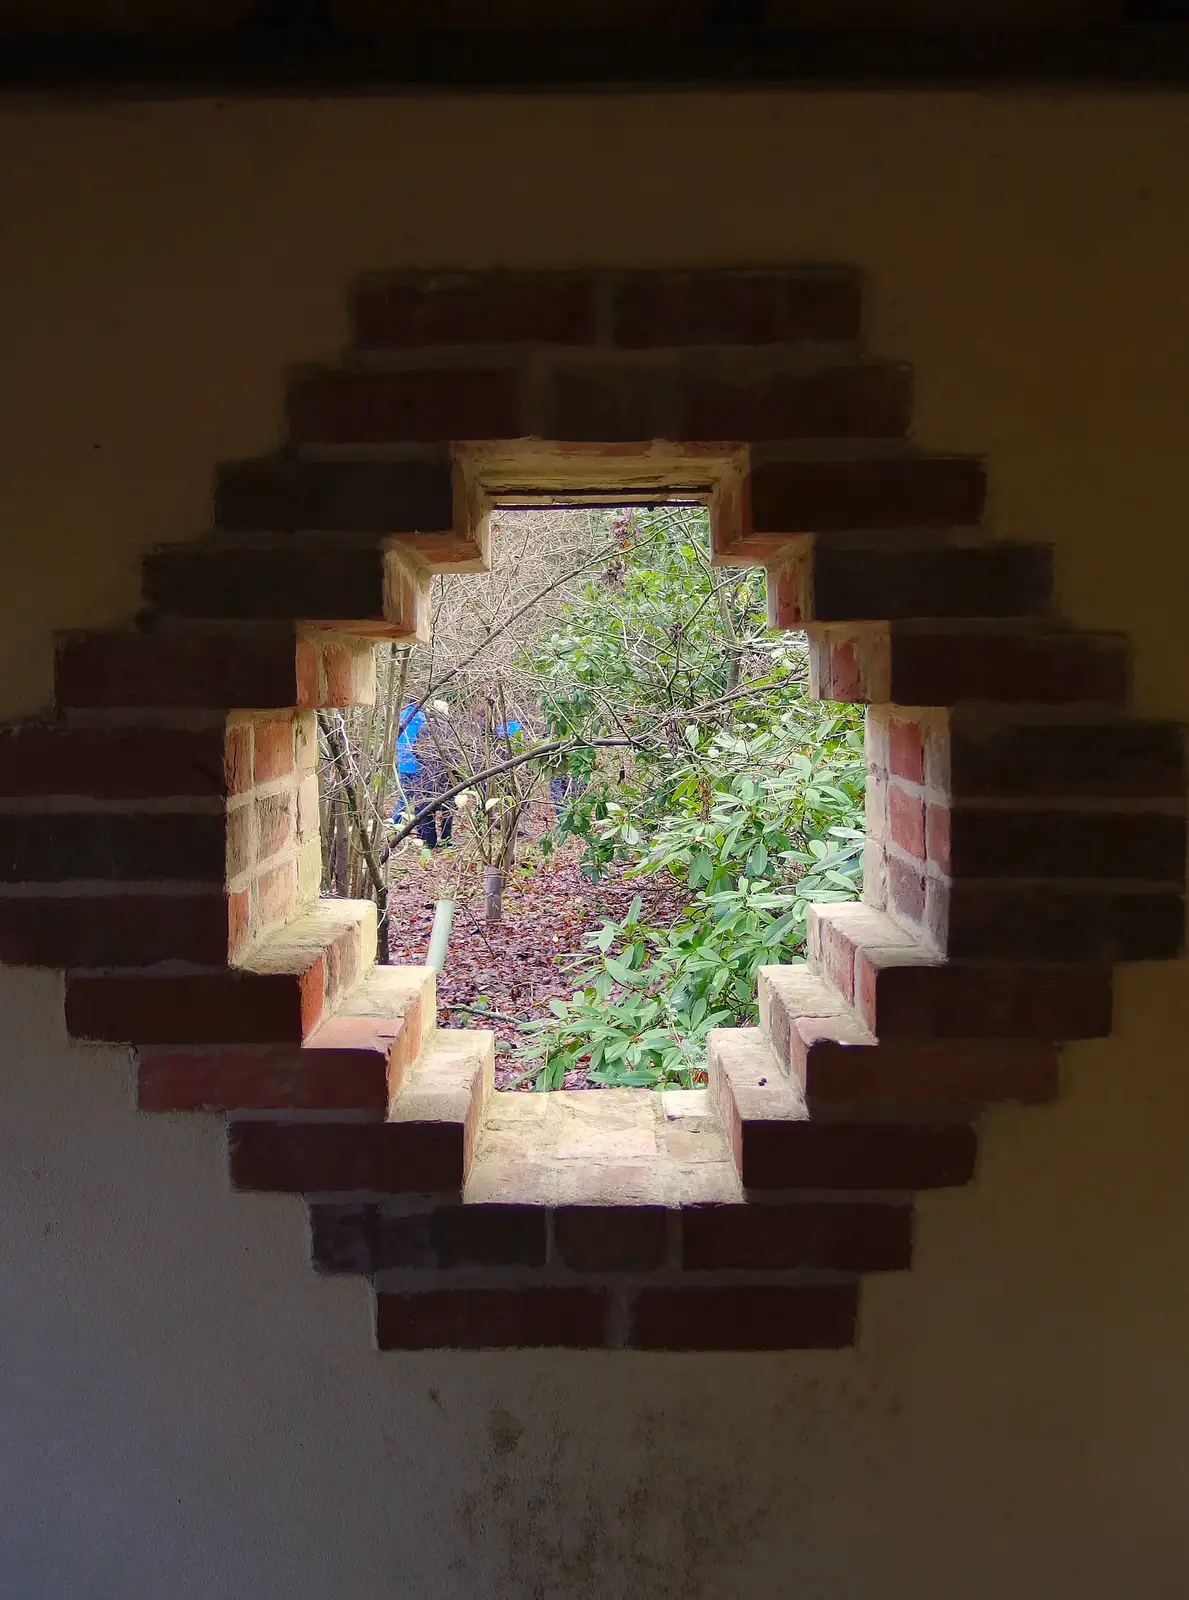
[
  {"x": 493, "y": 894},
  {"x": 341, "y": 851}
]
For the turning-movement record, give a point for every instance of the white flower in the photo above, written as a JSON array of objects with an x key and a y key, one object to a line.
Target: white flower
[
  {"x": 440, "y": 705},
  {"x": 462, "y": 801}
]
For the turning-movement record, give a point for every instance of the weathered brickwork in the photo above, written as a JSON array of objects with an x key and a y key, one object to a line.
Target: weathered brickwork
[{"x": 159, "y": 830}]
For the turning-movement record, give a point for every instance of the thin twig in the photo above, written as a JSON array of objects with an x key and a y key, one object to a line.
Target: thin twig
[
  {"x": 433, "y": 688},
  {"x": 479, "y": 1011}
]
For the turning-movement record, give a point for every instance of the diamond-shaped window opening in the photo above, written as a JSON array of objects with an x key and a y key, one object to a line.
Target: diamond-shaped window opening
[{"x": 606, "y": 1146}]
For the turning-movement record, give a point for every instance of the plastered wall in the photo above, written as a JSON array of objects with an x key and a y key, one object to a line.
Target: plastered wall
[{"x": 186, "y": 1410}]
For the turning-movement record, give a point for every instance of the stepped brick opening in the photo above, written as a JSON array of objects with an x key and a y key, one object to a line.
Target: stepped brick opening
[{"x": 158, "y": 833}]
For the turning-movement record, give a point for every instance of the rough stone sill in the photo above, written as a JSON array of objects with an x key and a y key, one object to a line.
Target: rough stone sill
[{"x": 603, "y": 1147}]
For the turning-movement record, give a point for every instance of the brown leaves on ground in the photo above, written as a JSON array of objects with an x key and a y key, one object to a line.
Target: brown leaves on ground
[{"x": 512, "y": 967}]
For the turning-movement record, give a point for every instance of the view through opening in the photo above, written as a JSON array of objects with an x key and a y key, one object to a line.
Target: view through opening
[{"x": 598, "y": 799}]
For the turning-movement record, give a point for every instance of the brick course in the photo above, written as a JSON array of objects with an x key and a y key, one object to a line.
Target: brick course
[
  {"x": 857, "y": 402},
  {"x": 114, "y": 930},
  {"x": 390, "y": 1158},
  {"x": 744, "y": 1317},
  {"x": 761, "y": 308},
  {"x": 611, "y": 1238},
  {"x": 839, "y": 496},
  {"x": 227, "y": 1007},
  {"x": 460, "y": 309},
  {"x": 481, "y": 1319},
  {"x": 368, "y": 1238},
  {"x": 840, "y": 1236},
  {"x": 421, "y": 407},
  {"x": 38, "y": 759},
  {"x": 280, "y": 495},
  {"x": 166, "y": 847}
]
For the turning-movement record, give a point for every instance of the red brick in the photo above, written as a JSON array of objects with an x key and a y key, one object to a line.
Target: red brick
[
  {"x": 745, "y": 1317},
  {"x": 347, "y": 675},
  {"x": 1059, "y": 668},
  {"x": 279, "y": 495},
  {"x": 344, "y": 962},
  {"x": 195, "y": 1008},
  {"x": 843, "y": 1078},
  {"x": 310, "y": 1157},
  {"x": 376, "y": 1238},
  {"x": 38, "y": 759},
  {"x": 309, "y": 664},
  {"x": 406, "y": 604},
  {"x": 492, "y": 1319},
  {"x": 346, "y": 1064},
  {"x": 1000, "y": 843},
  {"x": 790, "y": 594},
  {"x": 874, "y": 584},
  {"x": 237, "y": 758},
  {"x": 119, "y": 930},
  {"x": 1002, "y": 1001},
  {"x": 906, "y": 817},
  {"x": 1057, "y": 923},
  {"x": 222, "y": 671},
  {"x": 859, "y": 402},
  {"x": 352, "y": 407},
  {"x": 214, "y": 581},
  {"x": 266, "y": 1078},
  {"x": 274, "y": 895},
  {"x": 906, "y": 890},
  {"x": 838, "y": 1236},
  {"x": 680, "y": 308},
  {"x": 58, "y": 846},
  {"x": 937, "y": 836},
  {"x": 836, "y": 959},
  {"x": 838, "y": 496},
  {"x": 859, "y": 1155},
  {"x": 405, "y": 1051},
  {"x": 836, "y": 670},
  {"x": 452, "y": 550},
  {"x": 484, "y": 1236},
  {"x": 342, "y": 1236},
  {"x": 274, "y": 824},
  {"x": 399, "y": 1039},
  {"x": 476, "y": 308},
  {"x": 1087, "y": 759},
  {"x": 842, "y": 678},
  {"x": 272, "y": 750},
  {"x": 239, "y": 912},
  {"x": 906, "y": 757},
  {"x": 611, "y": 1238},
  {"x": 240, "y": 853},
  {"x": 615, "y": 404}
]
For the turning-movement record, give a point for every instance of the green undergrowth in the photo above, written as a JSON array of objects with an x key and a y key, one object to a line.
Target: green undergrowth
[{"x": 755, "y": 822}]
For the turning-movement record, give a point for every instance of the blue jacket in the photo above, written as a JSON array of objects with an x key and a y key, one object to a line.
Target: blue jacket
[{"x": 410, "y": 730}]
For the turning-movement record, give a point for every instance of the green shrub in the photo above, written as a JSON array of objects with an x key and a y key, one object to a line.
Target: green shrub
[{"x": 757, "y": 821}]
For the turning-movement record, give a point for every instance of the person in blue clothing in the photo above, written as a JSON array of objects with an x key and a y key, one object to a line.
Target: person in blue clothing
[{"x": 422, "y": 776}]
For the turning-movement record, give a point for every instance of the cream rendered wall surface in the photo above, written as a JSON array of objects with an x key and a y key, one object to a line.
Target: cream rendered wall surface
[{"x": 185, "y": 1409}]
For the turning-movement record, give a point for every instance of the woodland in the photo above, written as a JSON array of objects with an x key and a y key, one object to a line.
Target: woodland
[{"x": 598, "y": 799}]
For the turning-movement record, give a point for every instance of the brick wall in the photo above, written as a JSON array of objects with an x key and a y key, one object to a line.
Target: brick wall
[{"x": 158, "y": 832}]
